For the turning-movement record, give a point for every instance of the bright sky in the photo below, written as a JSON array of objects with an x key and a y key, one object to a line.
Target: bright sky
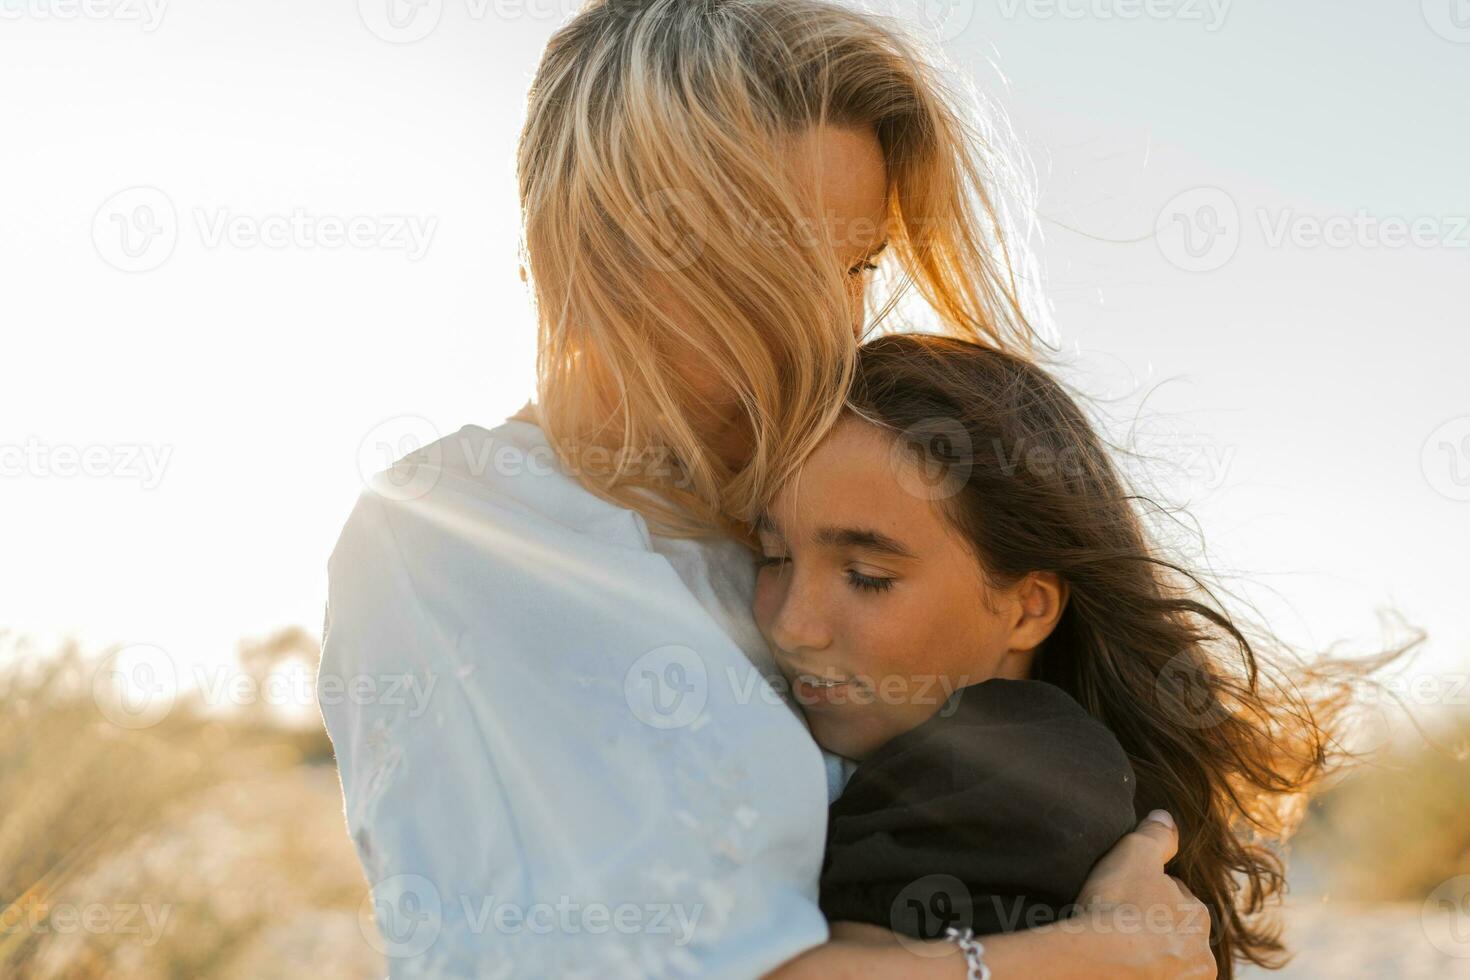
[{"x": 342, "y": 216}]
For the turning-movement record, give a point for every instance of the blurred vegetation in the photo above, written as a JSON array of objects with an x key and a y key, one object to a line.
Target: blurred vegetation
[
  {"x": 207, "y": 844},
  {"x": 211, "y": 842},
  {"x": 1399, "y": 825}
]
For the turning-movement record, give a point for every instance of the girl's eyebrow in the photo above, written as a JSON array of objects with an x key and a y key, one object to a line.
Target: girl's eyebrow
[
  {"x": 864, "y": 538},
  {"x": 832, "y": 536}
]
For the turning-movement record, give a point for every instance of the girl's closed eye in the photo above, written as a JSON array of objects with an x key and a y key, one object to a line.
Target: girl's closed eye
[
  {"x": 858, "y": 580},
  {"x": 869, "y": 583}
]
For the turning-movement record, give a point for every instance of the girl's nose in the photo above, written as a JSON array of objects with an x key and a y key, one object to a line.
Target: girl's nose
[{"x": 801, "y": 623}]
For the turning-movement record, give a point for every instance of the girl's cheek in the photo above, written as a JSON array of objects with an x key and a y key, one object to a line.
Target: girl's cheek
[{"x": 879, "y": 650}]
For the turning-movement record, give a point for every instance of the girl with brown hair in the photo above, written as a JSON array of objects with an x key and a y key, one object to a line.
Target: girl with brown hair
[{"x": 961, "y": 590}]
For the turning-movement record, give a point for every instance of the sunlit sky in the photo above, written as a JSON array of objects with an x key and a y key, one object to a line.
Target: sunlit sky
[{"x": 1313, "y": 382}]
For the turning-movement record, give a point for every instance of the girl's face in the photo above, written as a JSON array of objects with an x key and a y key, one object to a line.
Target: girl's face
[{"x": 874, "y": 606}]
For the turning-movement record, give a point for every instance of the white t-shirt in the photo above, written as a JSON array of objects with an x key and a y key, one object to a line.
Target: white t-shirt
[{"x": 560, "y": 753}]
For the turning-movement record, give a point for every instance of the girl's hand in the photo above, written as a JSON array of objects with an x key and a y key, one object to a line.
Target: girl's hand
[{"x": 1162, "y": 930}]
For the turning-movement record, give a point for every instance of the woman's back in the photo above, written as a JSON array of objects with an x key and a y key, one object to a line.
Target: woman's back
[{"x": 512, "y": 664}]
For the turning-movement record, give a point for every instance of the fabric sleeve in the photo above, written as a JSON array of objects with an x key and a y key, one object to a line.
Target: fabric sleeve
[{"x": 553, "y": 762}]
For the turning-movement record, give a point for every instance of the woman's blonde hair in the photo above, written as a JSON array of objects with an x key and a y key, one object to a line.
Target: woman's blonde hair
[{"x": 661, "y": 224}]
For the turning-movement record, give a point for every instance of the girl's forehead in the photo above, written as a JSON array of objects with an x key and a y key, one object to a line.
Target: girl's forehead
[{"x": 855, "y": 481}]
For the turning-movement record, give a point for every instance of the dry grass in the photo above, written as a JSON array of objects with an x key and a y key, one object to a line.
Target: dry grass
[
  {"x": 212, "y": 845},
  {"x": 196, "y": 847},
  {"x": 1399, "y": 827}
]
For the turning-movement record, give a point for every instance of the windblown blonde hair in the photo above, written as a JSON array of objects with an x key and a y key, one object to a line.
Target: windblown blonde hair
[{"x": 661, "y": 223}]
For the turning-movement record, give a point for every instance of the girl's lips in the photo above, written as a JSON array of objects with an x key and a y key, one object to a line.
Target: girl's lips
[{"x": 820, "y": 690}]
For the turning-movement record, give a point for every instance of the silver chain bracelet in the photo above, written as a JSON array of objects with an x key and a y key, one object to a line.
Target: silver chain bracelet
[{"x": 973, "y": 949}]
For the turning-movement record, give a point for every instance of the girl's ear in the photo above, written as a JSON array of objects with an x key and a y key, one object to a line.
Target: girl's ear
[{"x": 1039, "y": 599}]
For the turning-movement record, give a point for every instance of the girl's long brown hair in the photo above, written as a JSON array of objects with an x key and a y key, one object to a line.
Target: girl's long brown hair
[{"x": 1222, "y": 730}]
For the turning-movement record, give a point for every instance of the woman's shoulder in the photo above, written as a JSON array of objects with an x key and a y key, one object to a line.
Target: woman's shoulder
[
  {"x": 505, "y": 474},
  {"x": 484, "y": 522}
]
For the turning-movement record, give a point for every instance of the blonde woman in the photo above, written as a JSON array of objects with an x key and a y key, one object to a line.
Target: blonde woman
[{"x": 600, "y": 776}]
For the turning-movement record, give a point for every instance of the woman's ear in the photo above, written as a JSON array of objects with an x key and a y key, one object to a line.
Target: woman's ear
[{"x": 1039, "y": 599}]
